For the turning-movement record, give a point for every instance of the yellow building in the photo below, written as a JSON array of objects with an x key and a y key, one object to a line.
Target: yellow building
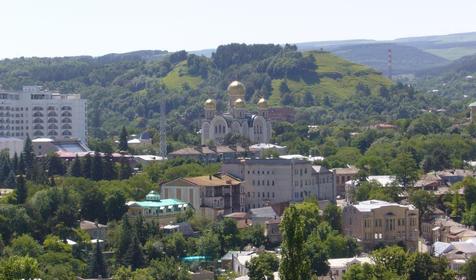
[{"x": 376, "y": 222}]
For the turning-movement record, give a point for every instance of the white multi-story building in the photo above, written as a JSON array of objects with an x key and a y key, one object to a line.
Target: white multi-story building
[
  {"x": 40, "y": 113},
  {"x": 268, "y": 181}
]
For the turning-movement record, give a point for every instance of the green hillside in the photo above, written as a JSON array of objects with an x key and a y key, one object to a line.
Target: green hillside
[
  {"x": 338, "y": 78},
  {"x": 179, "y": 77},
  {"x": 125, "y": 89}
]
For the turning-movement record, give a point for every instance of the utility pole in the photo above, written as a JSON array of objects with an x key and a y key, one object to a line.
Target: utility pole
[
  {"x": 163, "y": 125},
  {"x": 389, "y": 63}
]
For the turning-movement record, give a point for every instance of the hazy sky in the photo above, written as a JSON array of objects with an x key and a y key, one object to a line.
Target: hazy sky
[{"x": 96, "y": 27}]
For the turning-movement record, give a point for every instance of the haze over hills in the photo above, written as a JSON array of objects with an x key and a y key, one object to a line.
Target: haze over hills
[{"x": 410, "y": 55}]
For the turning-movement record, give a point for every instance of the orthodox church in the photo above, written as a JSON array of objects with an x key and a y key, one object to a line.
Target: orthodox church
[{"x": 255, "y": 127}]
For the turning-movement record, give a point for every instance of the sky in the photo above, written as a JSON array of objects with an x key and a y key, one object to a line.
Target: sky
[{"x": 97, "y": 27}]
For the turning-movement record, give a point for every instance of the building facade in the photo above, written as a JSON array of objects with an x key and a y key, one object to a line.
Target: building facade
[
  {"x": 343, "y": 175},
  {"x": 375, "y": 222},
  {"x": 237, "y": 120},
  {"x": 269, "y": 181},
  {"x": 153, "y": 208},
  {"x": 39, "y": 113},
  {"x": 210, "y": 196}
]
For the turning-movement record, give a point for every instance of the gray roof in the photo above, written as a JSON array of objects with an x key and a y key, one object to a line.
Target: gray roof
[
  {"x": 472, "y": 104},
  {"x": 263, "y": 212}
]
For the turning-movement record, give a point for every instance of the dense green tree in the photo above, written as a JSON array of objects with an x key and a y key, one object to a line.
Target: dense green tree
[
  {"x": 10, "y": 181},
  {"x": 227, "y": 233},
  {"x": 75, "y": 169},
  {"x": 109, "y": 173},
  {"x": 28, "y": 156},
  {"x": 209, "y": 245},
  {"x": 469, "y": 185},
  {"x": 21, "y": 191},
  {"x": 55, "y": 165},
  {"x": 168, "y": 269},
  {"x": 360, "y": 272},
  {"x": 263, "y": 266},
  {"x": 134, "y": 256},
  {"x": 97, "y": 264},
  {"x": 253, "y": 235},
  {"x": 469, "y": 268},
  {"x": 97, "y": 167},
  {"x": 318, "y": 255},
  {"x": 391, "y": 258},
  {"x": 115, "y": 206},
  {"x": 294, "y": 262},
  {"x": 86, "y": 169},
  {"x": 15, "y": 162},
  {"x": 123, "y": 140},
  {"x": 333, "y": 215},
  {"x": 419, "y": 266},
  {"x": 92, "y": 206},
  {"x": 125, "y": 170},
  {"x": 423, "y": 200},
  {"x": 405, "y": 169},
  {"x": 125, "y": 237},
  {"x": 24, "y": 245},
  {"x": 17, "y": 267}
]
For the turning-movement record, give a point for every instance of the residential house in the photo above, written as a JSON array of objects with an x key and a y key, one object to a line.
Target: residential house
[
  {"x": 210, "y": 196},
  {"x": 94, "y": 229}
]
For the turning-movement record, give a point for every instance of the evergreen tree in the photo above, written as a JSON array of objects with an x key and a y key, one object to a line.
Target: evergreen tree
[
  {"x": 123, "y": 140},
  {"x": 134, "y": 256},
  {"x": 87, "y": 165},
  {"x": 96, "y": 167},
  {"x": 125, "y": 170},
  {"x": 21, "y": 190},
  {"x": 97, "y": 265},
  {"x": 21, "y": 165},
  {"x": 124, "y": 239},
  {"x": 139, "y": 229},
  {"x": 108, "y": 168},
  {"x": 5, "y": 169},
  {"x": 28, "y": 156},
  {"x": 75, "y": 170},
  {"x": 55, "y": 165},
  {"x": 15, "y": 163},
  {"x": 10, "y": 181}
]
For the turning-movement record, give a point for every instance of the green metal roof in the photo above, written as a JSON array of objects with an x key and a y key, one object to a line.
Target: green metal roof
[{"x": 161, "y": 203}]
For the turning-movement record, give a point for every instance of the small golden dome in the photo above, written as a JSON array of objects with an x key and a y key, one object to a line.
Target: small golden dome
[
  {"x": 210, "y": 104},
  {"x": 239, "y": 103},
  {"x": 262, "y": 103},
  {"x": 236, "y": 89}
]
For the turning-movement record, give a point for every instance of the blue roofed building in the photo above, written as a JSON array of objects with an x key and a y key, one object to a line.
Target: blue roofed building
[{"x": 162, "y": 211}]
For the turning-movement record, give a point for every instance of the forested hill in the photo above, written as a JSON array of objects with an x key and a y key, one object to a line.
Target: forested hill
[{"x": 124, "y": 89}]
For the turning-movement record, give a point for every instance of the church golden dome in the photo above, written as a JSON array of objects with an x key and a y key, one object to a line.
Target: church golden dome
[
  {"x": 236, "y": 89},
  {"x": 262, "y": 103},
  {"x": 239, "y": 103},
  {"x": 210, "y": 104}
]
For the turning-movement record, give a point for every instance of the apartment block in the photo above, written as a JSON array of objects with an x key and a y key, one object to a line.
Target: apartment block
[
  {"x": 269, "y": 181},
  {"x": 40, "y": 113}
]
